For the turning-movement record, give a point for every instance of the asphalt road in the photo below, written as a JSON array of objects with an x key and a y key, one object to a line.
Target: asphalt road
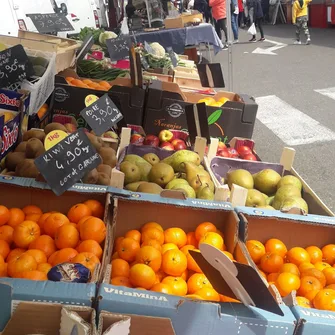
[{"x": 299, "y": 117}]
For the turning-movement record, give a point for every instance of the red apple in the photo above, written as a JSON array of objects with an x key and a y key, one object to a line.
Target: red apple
[
  {"x": 136, "y": 139},
  {"x": 151, "y": 140},
  {"x": 244, "y": 150},
  {"x": 221, "y": 146},
  {"x": 180, "y": 146},
  {"x": 165, "y": 136},
  {"x": 250, "y": 157},
  {"x": 167, "y": 146},
  {"x": 232, "y": 153},
  {"x": 223, "y": 153},
  {"x": 176, "y": 141}
]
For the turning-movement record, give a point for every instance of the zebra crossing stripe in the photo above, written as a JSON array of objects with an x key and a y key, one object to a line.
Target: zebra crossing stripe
[
  {"x": 328, "y": 92},
  {"x": 291, "y": 125}
]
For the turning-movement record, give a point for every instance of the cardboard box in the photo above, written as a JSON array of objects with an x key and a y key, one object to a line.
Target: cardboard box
[
  {"x": 200, "y": 317},
  {"x": 17, "y": 290},
  {"x": 36, "y": 122},
  {"x": 182, "y": 20},
  {"x": 42, "y": 318},
  {"x": 70, "y": 100},
  {"x": 294, "y": 231},
  {"x": 11, "y": 131}
]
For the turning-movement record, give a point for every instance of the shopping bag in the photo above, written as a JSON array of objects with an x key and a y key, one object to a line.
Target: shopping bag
[{"x": 252, "y": 29}]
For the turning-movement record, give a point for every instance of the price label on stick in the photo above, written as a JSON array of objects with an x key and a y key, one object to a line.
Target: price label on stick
[
  {"x": 68, "y": 161},
  {"x": 118, "y": 48},
  {"x": 148, "y": 47},
  {"x": 101, "y": 115},
  {"x": 172, "y": 56},
  {"x": 15, "y": 66}
]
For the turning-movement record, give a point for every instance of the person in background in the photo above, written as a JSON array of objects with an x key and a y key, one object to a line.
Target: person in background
[
  {"x": 220, "y": 15},
  {"x": 256, "y": 16},
  {"x": 202, "y": 6},
  {"x": 234, "y": 19},
  {"x": 241, "y": 17},
  {"x": 300, "y": 19}
]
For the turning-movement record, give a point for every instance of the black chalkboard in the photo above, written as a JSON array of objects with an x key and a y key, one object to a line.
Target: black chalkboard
[
  {"x": 68, "y": 161},
  {"x": 53, "y": 22},
  {"x": 101, "y": 115},
  {"x": 172, "y": 56},
  {"x": 118, "y": 48},
  {"x": 15, "y": 66}
]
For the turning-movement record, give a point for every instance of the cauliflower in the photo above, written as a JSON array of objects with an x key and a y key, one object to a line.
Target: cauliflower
[
  {"x": 105, "y": 36},
  {"x": 159, "y": 51}
]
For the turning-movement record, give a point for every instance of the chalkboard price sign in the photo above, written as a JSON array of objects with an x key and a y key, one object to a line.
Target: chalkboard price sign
[
  {"x": 118, "y": 48},
  {"x": 53, "y": 22},
  {"x": 101, "y": 115},
  {"x": 172, "y": 56},
  {"x": 15, "y": 66},
  {"x": 68, "y": 161}
]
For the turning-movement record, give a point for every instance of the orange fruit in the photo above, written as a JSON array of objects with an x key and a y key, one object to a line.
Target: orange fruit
[
  {"x": 272, "y": 277},
  {"x": 153, "y": 234},
  {"x": 32, "y": 209},
  {"x": 186, "y": 248},
  {"x": 168, "y": 246},
  {"x": 96, "y": 208},
  {"x": 26, "y": 233},
  {"x": 134, "y": 234},
  {"x": 224, "y": 298},
  {"x": 44, "y": 267},
  {"x": 115, "y": 256},
  {"x": 196, "y": 282},
  {"x": 315, "y": 254},
  {"x": 276, "y": 246},
  {"x": 52, "y": 258},
  {"x": 176, "y": 236},
  {"x": 151, "y": 225},
  {"x": 331, "y": 286},
  {"x": 311, "y": 295},
  {"x": 77, "y": 82},
  {"x": 262, "y": 274},
  {"x": 152, "y": 243},
  {"x": 204, "y": 228},
  {"x": 303, "y": 302},
  {"x": 3, "y": 268},
  {"x": 22, "y": 263},
  {"x": 53, "y": 222},
  {"x": 87, "y": 81},
  {"x": 315, "y": 273},
  {"x": 229, "y": 255},
  {"x": 191, "y": 240},
  {"x": 271, "y": 262},
  {"x": 83, "y": 220},
  {"x": 330, "y": 275},
  {"x": 193, "y": 297},
  {"x": 65, "y": 255},
  {"x": 120, "y": 268},
  {"x": 325, "y": 300},
  {"x": 256, "y": 250},
  {"x": 127, "y": 249},
  {"x": 105, "y": 84},
  {"x": 93, "y": 85},
  {"x": 191, "y": 263},
  {"x": 213, "y": 239},
  {"x": 184, "y": 275},
  {"x": 4, "y": 215},
  {"x": 290, "y": 268},
  {"x": 177, "y": 284},
  {"x": 117, "y": 242},
  {"x": 78, "y": 211},
  {"x": 307, "y": 284},
  {"x": 207, "y": 293},
  {"x": 15, "y": 253},
  {"x": 4, "y": 249},
  {"x": 328, "y": 254},
  {"x": 286, "y": 283},
  {"x": 33, "y": 275},
  {"x": 6, "y": 234},
  {"x": 17, "y": 216},
  {"x": 87, "y": 259},
  {"x": 321, "y": 265},
  {"x": 304, "y": 266},
  {"x": 150, "y": 256},
  {"x": 90, "y": 246},
  {"x": 162, "y": 288},
  {"x": 160, "y": 275},
  {"x": 297, "y": 256},
  {"x": 93, "y": 229},
  {"x": 42, "y": 220},
  {"x": 69, "y": 79},
  {"x": 174, "y": 263},
  {"x": 120, "y": 281},
  {"x": 142, "y": 275},
  {"x": 44, "y": 243},
  {"x": 33, "y": 217},
  {"x": 66, "y": 236},
  {"x": 39, "y": 255}
]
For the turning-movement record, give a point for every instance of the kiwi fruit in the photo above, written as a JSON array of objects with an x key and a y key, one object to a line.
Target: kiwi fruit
[
  {"x": 26, "y": 168},
  {"x": 103, "y": 168},
  {"x": 91, "y": 177},
  {"x": 13, "y": 159},
  {"x": 103, "y": 179},
  {"x": 34, "y": 148},
  {"x": 108, "y": 156},
  {"x": 34, "y": 133},
  {"x": 21, "y": 147},
  {"x": 97, "y": 142},
  {"x": 54, "y": 126}
]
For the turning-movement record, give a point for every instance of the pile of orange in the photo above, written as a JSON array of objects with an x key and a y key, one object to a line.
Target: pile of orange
[
  {"x": 87, "y": 83},
  {"x": 308, "y": 271},
  {"x": 32, "y": 242},
  {"x": 159, "y": 260},
  {"x": 42, "y": 111}
]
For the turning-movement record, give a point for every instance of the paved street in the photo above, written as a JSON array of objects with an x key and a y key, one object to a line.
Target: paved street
[{"x": 295, "y": 90}]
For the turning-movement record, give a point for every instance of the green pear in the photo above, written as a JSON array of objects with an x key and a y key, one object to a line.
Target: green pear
[
  {"x": 131, "y": 172},
  {"x": 255, "y": 198},
  {"x": 187, "y": 189},
  {"x": 266, "y": 181},
  {"x": 290, "y": 180},
  {"x": 175, "y": 182},
  {"x": 149, "y": 188},
  {"x": 269, "y": 200},
  {"x": 192, "y": 170},
  {"x": 199, "y": 180},
  {"x": 205, "y": 193},
  {"x": 181, "y": 156},
  {"x": 141, "y": 163},
  {"x": 151, "y": 158},
  {"x": 286, "y": 191},
  {"x": 266, "y": 207},
  {"x": 289, "y": 203},
  {"x": 161, "y": 174},
  {"x": 241, "y": 178},
  {"x": 134, "y": 186},
  {"x": 134, "y": 158}
]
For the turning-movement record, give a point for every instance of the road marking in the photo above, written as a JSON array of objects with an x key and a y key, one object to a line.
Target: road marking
[
  {"x": 269, "y": 51},
  {"x": 289, "y": 124},
  {"x": 328, "y": 92}
]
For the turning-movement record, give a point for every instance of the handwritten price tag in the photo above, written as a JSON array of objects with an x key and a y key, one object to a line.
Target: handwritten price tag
[
  {"x": 118, "y": 48},
  {"x": 53, "y": 22}
]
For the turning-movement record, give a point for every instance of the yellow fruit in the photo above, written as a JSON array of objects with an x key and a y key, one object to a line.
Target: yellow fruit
[
  {"x": 215, "y": 104},
  {"x": 208, "y": 101},
  {"x": 223, "y": 100}
]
